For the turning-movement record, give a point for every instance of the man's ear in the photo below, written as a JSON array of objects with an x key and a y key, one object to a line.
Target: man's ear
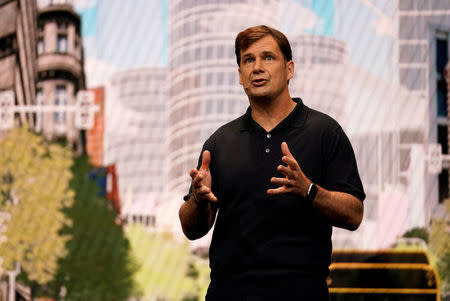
[
  {"x": 240, "y": 76},
  {"x": 290, "y": 69}
]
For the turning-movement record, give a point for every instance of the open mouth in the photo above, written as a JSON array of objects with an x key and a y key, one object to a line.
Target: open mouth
[{"x": 259, "y": 82}]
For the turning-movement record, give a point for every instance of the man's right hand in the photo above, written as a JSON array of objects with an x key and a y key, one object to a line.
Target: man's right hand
[{"x": 201, "y": 181}]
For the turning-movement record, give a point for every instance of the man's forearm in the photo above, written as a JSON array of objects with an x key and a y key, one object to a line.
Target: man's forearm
[
  {"x": 196, "y": 219},
  {"x": 342, "y": 209}
]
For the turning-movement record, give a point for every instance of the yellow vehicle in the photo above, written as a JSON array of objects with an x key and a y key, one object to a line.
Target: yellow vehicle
[{"x": 382, "y": 275}]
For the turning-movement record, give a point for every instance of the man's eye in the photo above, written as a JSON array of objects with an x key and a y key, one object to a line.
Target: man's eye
[
  {"x": 248, "y": 60},
  {"x": 269, "y": 58}
]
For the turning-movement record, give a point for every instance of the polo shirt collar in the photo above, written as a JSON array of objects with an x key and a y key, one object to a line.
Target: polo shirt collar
[{"x": 295, "y": 119}]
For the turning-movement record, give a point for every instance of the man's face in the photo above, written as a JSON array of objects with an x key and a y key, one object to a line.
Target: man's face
[{"x": 263, "y": 72}]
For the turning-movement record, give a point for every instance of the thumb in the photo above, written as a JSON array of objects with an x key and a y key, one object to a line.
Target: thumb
[
  {"x": 285, "y": 150},
  {"x": 206, "y": 158}
]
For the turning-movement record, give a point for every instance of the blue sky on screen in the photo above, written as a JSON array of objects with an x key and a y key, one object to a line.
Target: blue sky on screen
[
  {"x": 122, "y": 35},
  {"x": 89, "y": 21},
  {"x": 324, "y": 9}
]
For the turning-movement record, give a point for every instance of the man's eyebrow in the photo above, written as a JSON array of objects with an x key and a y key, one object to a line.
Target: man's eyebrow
[{"x": 268, "y": 52}]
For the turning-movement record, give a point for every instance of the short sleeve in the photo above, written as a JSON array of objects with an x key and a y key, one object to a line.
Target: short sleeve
[
  {"x": 340, "y": 167},
  {"x": 208, "y": 145}
]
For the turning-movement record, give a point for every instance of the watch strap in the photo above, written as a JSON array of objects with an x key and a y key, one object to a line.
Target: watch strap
[{"x": 312, "y": 192}]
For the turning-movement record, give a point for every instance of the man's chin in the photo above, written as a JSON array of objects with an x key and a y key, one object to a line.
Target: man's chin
[{"x": 260, "y": 98}]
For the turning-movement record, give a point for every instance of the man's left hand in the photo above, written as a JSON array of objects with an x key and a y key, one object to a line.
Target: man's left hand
[{"x": 295, "y": 181}]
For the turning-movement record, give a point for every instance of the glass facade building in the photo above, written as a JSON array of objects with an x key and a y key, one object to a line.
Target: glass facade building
[
  {"x": 204, "y": 90},
  {"x": 423, "y": 39},
  {"x": 318, "y": 76},
  {"x": 135, "y": 130}
]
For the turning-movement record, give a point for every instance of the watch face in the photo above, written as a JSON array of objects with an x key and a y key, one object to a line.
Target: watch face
[{"x": 314, "y": 188}]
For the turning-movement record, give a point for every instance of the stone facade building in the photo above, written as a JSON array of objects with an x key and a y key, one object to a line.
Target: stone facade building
[
  {"x": 18, "y": 66},
  {"x": 60, "y": 69},
  {"x": 41, "y": 62}
]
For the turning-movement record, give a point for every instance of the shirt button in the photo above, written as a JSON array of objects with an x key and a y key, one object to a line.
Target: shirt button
[
  {"x": 268, "y": 135},
  {"x": 267, "y": 150}
]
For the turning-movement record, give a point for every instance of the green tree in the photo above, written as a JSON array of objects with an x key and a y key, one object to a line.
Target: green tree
[
  {"x": 98, "y": 265},
  {"x": 34, "y": 190},
  {"x": 440, "y": 246},
  {"x": 198, "y": 271},
  {"x": 418, "y": 233},
  {"x": 167, "y": 270}
]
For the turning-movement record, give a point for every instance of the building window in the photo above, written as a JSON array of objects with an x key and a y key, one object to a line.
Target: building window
[
  {"x": 39, "y": 95},
  {"x": 441, "y": 95},
  {"x": 77, "y": 48},
  {"x": 442, "y": 137},
  {"x": 443, "y": 176},
  {"x": 231, "y": 106},
  {"x": 6, "y": 46},
  {"x": 62, "y": 26},
  {"x": 40, "y": 46},
  {"x": 60, "y": 100},
  {"x": 443, "y": 185},
  {"x": 149, "y": 221},
  {"x": 441, "y": 61},
  {"x": 220, "y": 106},
  {"x": 209, "y": 107},
  {"x": 220, "y": 51},
  {"x": 220, "y": 78},
  {"x": 39, "y": 102},
  {"x": 197, "y": 54},
  {"x": 441, "y": 51},
  {"x": 441, "y": 40},
  {"x": 209, "y": 52},
  {"x": 61, "y": 43}
]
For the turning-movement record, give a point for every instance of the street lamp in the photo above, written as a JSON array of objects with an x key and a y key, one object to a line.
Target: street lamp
[{"x": 84, "y": 109}]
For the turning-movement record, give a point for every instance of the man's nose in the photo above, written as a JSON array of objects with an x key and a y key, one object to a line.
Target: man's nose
[{"x": 257, "y": 66}]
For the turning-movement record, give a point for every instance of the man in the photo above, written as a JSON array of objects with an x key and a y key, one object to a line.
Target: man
[{"x": 280, "y": 177}]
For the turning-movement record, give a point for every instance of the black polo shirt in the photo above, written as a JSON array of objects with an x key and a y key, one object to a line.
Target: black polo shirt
[{"x": 275, "y": 244}]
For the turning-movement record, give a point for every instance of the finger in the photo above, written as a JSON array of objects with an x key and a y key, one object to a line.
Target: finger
[
  {"x": 205, "y": 193},
  {"x": 285, "y": 150},
  {"x": 280, "y": 181},
  {"x": 206, "y": 158},
  {"x": 291, "y": 162},
  {"x": 193, "y": 173},
  {"x": 196, "y": 180},
  {"x": 203, "y": 190},
  {"x": 288, "y": 172},
  {"x": 279, "y": 190},
  {"x": 208, "y": 197},
  {"x": 212, "y": 197}
]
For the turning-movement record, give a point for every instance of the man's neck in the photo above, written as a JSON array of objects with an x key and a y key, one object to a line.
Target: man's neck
[{"x": 269, "y": 113}]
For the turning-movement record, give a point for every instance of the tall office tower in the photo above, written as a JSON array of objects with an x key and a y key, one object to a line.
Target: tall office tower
[
  {"x": 204, "y": 88},
  {"x": 319, "y": 69},
  {"x": 60, "y": 69},
  {"x": 135, "y": 130},
  {"x": 423, "y": 51},
  {"x": 18, "y": 69}
]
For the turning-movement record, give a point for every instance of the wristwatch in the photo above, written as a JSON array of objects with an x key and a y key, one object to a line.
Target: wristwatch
[{"x": 312, "y": 191}]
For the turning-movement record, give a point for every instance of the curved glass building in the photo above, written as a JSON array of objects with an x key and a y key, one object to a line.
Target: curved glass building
[
  {"x": 135, "y": 130},
  {"x": 204, "y": 90},
  {"x": 319, "y": 73}
]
